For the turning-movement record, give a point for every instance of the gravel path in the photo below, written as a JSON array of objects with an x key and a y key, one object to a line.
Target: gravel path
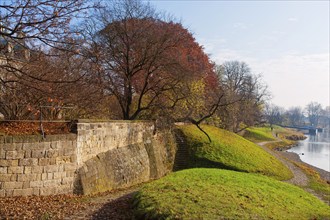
[{"x": 299, "y": 177}]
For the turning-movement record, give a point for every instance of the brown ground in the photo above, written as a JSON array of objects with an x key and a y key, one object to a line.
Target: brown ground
[
  {"x": 109, "y": 205},
  {"x": 29, "y": 128}
]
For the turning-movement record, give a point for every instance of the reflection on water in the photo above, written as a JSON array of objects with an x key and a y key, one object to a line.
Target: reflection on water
[{"x": 315, "y": 150}]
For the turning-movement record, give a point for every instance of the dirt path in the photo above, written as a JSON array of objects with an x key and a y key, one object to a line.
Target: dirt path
[
  {"x": 112, "y": 205},
  {"x": 299, "y": 177}
]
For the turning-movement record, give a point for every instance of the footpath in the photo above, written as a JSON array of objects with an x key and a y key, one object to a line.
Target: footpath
[{"x": 299, "y": 177}]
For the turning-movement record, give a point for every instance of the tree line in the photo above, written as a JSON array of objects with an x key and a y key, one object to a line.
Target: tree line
[
  {"x": 312, "y": 115},
  {"x": 123, "y": 60}
]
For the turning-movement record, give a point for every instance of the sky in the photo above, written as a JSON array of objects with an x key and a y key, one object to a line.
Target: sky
[{"x": 285, "y": 41}]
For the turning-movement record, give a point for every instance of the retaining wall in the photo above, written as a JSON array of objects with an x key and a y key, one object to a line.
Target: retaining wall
[
  {"x": 30, "y": 165},
  {"x": 101, "y": 156}
]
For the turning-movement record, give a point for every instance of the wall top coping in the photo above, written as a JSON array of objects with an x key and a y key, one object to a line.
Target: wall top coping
[
  {"x": 112, "y": 121},
  {"x": 36, "y": 138}
]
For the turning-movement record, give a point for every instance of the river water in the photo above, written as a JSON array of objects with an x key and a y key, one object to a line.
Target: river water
[{"x": 315, "y": 150}]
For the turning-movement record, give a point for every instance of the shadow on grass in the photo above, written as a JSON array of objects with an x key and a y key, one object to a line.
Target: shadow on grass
[{"x": 119, "y": 209}]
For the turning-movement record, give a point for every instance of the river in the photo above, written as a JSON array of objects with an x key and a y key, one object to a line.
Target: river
[{"x": 315, "y": 150}]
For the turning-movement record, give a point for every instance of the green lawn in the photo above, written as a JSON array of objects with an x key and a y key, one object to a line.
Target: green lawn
[
  {"x": 259, "y": 134},
  {"x": 230, "y": 151},
  {"x": 223, "y": 194}
]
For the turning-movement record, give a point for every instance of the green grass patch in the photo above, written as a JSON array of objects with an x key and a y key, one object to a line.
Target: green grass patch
[
  {"x": 315, "y": 181},
  {"x": 259, "y": 134},
  {"x": 224, "y": 194},
  {"x": 286, "y": 137},
  {"x": 230, "y": 151}
]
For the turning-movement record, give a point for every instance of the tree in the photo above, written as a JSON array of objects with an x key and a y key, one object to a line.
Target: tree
[
  {"x": 295, "y": 116},
  {"x": 144, "y": 61},
  {"x": 313, "y": 110},
  {"x": 43, "y": 23},
  {"x": 244, "y": 92},
  {"x": 29, "y": 31},
  {"x": 273, "y": 114}
]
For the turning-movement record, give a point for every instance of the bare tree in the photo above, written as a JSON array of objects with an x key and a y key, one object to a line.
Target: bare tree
[
  {"x": 313, "y": 110},
  {"x": 246, "y": 93},
  {"x": 273, "y": 114},
  {"x": 42, "y": 23},
  {"x": 295, "y": 116}
]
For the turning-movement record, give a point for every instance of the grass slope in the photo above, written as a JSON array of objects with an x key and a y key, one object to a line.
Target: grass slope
[
  {"x": 259, "y": 134},
  {"x": 224, "y": 194},
  {"x": 230, "y": 151},
  {"x": 285, "y": 136}
]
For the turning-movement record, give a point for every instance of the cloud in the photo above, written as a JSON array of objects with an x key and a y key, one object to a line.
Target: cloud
[
  {"x": 294, "y": 79},
  {"x": 240, "y": 25},
  {"x": 212, "y": 44},
  {"x": 293, "y": 19}
]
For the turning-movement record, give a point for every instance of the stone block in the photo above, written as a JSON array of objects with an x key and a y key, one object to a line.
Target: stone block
[
  {"x": 26, "y": 177},
  {"x": 23, "y": 192},
  {"x": 43, "y": 161},
  {"x": 26, "y": 185},
  {"x": 51, "y": 153},
  {"x": 67, "y": 181},
  {"x": 17, "y": 169},
  {"x": 52, "y": 183},
  {"x": 59, "y": 175},
  {"x": 38, "y": 153},
  {"x": 65, "y": 189},
  {"x": 7, "y": 163},
  {"x": 28, "y": 162},
  {"x": 37, "y": 169},
  {"x": 28, "y": 153},
  {"x": 73, "y": 158},
  {"x": 27, "y": 170},
  {"x": 47, "y": 191},
  {"x": 12, "y": 185},
  {"x": 70, "y": 167},
  {"x": 18, "y": 146},
  {"x": 8, "y": 147},
  {"x": 50, "y": 176},
  {"x": 28, "y": 146},
  {"x": 44, "y": 176},
  {"x": 37, "y": 184},
  {"x": 50, "y": 168},
  {"x": 6, "y": 177},
  {"x": 2, "y": 152},
  {"x": 36, "y": 192},
  {"x": 9, "y": 192},
  {"x": 69, "y": 151},
  {"x": 2, "y": 193},
  {"x": 63, "y": 159},
  {"x": 11, "y": 154},
  {"x": 52, "y": 161}
]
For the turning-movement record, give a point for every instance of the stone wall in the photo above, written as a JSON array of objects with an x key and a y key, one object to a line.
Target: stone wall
[
  {"x": 102, "y": 156},
  {"x": 98, "y": 137},
  {"x": 125, "y": 166},
  {"x": 30, "y": 165}
]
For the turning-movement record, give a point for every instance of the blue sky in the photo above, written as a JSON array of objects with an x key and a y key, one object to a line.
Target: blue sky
[{"x": 286, "y": 41}]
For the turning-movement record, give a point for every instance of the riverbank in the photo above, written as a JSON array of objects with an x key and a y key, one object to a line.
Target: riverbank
[{"x": 295, "y": 157}]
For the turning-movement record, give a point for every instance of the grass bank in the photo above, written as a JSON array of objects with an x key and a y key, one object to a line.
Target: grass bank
[
  {"x": 230, "y": 151},
  {"x": 285, "y": 137},
  {"x": 223, "y": 194}
]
